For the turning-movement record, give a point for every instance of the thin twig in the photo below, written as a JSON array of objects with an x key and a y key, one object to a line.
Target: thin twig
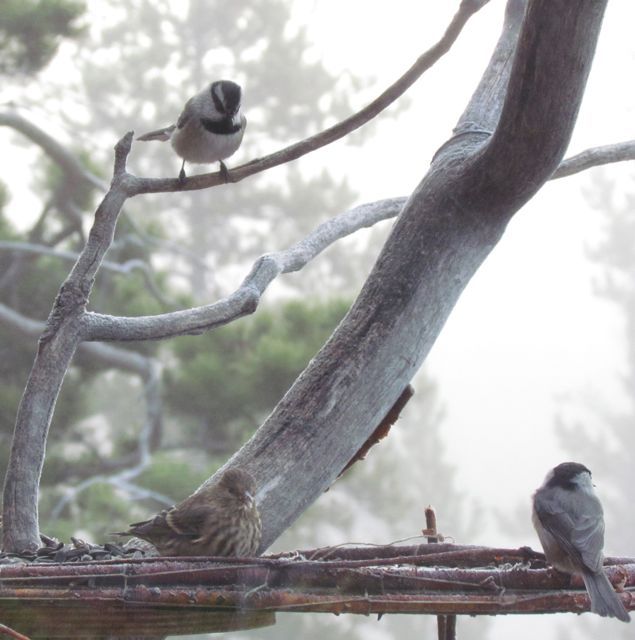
[
  {"x": 595, "y": 157},
  {"x": 246, "y": 298},
  {"x": 446, "y": 624}
]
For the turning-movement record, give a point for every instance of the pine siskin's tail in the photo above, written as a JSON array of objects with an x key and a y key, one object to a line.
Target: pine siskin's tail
[
  {"x": 159, "y": 134},
  {"x": 604, "y": 600}
]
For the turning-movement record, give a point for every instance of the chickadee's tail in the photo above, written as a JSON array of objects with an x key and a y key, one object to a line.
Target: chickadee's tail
[
  {"x": 604, "y": 600},
  {"x": 160, "y": 134}
]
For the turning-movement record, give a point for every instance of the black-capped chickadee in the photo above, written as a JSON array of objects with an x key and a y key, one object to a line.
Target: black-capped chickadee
[
  {"x": 210, "y": 128},
  {"x": 569, "y": 520}
]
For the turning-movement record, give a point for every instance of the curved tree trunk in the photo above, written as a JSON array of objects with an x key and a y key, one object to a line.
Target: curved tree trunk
[{"x": 528, "y": 101}]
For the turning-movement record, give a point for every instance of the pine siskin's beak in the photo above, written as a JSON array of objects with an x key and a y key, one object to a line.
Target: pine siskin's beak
[{"x": 250, "y": 499}]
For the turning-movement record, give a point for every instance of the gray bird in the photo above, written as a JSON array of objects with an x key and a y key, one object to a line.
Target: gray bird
[
  {"x": 569, "y": 520},
  {"x": 210, "y": 128}
]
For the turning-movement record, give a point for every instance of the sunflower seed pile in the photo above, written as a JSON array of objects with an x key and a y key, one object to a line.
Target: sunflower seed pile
[{"x": 54, "y": 551}]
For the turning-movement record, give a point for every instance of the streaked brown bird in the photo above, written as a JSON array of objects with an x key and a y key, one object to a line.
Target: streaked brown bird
[{"x": 220, "y": 520}]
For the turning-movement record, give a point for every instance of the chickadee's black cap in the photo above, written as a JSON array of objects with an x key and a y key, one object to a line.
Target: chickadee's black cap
[
  {"x": 226, "y": 96},
  {"x": 564, "y": 473}
]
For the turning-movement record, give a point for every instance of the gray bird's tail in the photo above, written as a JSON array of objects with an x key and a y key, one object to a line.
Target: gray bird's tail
[
  {"x": 160, "y": 134},
  {"x": 604, "y": 600}
]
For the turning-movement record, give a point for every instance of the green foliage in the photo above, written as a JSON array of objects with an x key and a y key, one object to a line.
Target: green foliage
[
  {"x": 32, "y": 296},
  {"x": 50, "y": 178},
  {"x": 228, "y": 379},
  {"x": 177, "y": 473},
  {"x": 31, "y": 293},
  {"x": 31, "y": 31},
  {"x": 96, "y": 511}
]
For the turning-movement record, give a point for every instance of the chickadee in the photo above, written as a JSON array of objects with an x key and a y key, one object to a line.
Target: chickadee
[
  {"x": 568, "y": 518},
  {"x": 209, "y": 129}
]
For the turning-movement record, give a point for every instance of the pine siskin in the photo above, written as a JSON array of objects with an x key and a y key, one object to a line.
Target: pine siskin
[{"x": 220, "y": 520}]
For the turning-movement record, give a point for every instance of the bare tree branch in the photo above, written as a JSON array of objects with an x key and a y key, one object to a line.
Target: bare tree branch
[
  {"x": 119, "y": 480},
  {"x": 594, "y": 157},
  {"x": 16, "y": 321},
  {"x": 142, "y": 239},
  {"x": 148, "y": 440},
  {"x": 106, "y": 355},
  {"x": 245, "y": 299}
]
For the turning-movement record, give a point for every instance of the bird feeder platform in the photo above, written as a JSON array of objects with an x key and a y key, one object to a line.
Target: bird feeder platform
[{"x": 160, "y": 595}]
